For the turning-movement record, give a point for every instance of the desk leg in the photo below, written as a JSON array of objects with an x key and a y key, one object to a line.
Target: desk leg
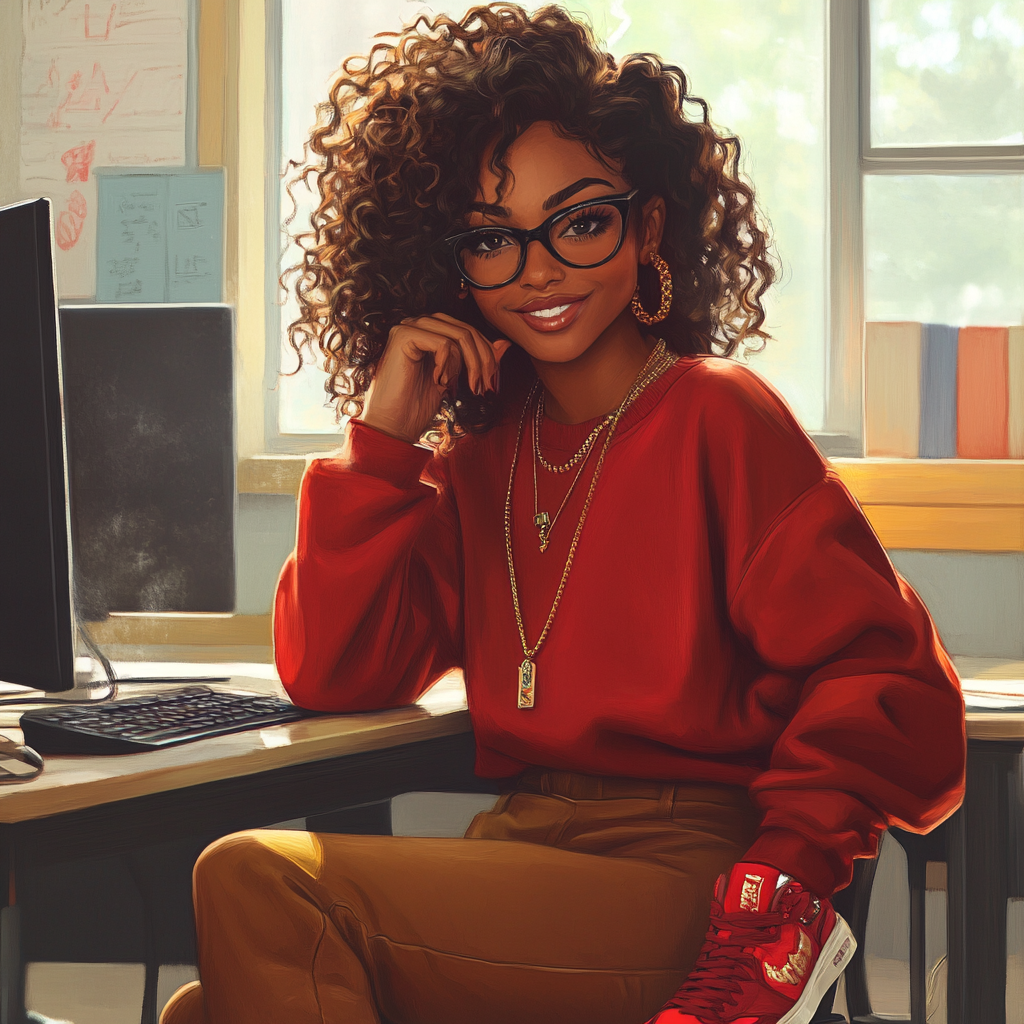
[
  {"x": 143, "y": 882},
  {"x": 918, "y": 925},
  {"x": 979, "y": 883},
  {"x": 12, "y": 970}
]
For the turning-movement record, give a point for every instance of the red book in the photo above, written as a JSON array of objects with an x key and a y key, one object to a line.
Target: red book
[{"x": 982, "y": 393}]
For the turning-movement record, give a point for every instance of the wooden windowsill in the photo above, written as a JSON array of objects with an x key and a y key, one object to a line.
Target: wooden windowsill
[
  {"x": 929, "y": 504},
  {"x": 184, "y": 636},
  {"x": 271, "y": 474},
  {"x": 964, "y": 482}
]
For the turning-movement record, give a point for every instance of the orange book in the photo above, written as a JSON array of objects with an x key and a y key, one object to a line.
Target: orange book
[{"x": 982, "y": 393}]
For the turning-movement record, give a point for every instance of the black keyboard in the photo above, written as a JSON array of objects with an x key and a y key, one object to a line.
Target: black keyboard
[{"x": 151, "y": 722}]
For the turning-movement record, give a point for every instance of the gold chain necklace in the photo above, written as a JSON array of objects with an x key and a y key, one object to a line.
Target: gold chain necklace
[
  {"x": 528, "y": 670},
  {"x": 651, "y": 369},
  {"x": 541, "y": 520},
  {"x": 581, "y": 454}
]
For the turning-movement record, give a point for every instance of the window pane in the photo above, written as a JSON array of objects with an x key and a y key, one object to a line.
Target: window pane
[
  {"x": 947, "y": 72},
  {"x": 944, "y": 249},
  {"x": 761, "y": 67}
]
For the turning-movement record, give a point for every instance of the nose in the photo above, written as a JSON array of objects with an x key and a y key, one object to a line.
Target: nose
[{"x": 541, "y": 268}]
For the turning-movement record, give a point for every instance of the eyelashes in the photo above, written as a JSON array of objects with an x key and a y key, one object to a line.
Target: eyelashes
[{"x": 600, "y": 218}]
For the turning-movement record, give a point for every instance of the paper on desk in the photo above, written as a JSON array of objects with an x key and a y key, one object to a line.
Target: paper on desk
[
  {"x": 994, "y": 694},
  {"x": 160, "y": 237}
]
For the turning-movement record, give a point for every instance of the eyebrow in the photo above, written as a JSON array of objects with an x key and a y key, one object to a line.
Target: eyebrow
[{"x": 496, "y": 210}]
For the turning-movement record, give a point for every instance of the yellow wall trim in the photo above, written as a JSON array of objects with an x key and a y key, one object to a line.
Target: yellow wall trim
[
  {"x": 948, "y": 528},
  {"x": 271, "y": 474},
  {"x": 933, "y": 481}
]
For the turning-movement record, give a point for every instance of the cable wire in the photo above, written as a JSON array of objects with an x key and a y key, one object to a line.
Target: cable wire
[{"x": 108, "y": 671}]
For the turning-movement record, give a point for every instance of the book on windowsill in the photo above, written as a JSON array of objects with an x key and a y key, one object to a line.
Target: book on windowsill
[
  {"x": 982, "y": 393},
  {"x": 1015, "y": 353},
  {"x": 892, "y": 390},
  {"x": 938, "y": 391}
]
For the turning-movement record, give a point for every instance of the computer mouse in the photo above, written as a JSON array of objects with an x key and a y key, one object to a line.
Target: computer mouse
[{"x": 18, "y": 763}]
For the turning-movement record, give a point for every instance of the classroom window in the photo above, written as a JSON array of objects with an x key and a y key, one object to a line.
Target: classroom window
[
  {"x": 944, "y": 248},
  {"x": 947, "y": 73},
  {"x": 944, "y": 156},
  {"x": 760, "y": 65}
]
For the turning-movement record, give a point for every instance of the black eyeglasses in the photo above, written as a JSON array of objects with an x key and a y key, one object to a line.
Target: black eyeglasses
[{"x": 583, "y": 235}]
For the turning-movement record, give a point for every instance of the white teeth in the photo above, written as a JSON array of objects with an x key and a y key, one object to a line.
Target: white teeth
[{"x": 547, "y": 313}]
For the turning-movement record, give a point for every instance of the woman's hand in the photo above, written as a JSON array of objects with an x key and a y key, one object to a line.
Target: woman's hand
[{"x": 422, "y": 359}]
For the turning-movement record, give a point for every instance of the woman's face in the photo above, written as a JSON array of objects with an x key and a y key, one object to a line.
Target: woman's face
[{"x": 553, "y": 311}]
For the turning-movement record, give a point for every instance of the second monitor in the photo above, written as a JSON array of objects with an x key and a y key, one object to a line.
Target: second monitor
[{"x": 148, "y": 393}]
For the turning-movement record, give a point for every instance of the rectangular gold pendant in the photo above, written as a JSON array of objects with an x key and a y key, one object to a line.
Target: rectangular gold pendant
[{"x": 527, "y": 682}]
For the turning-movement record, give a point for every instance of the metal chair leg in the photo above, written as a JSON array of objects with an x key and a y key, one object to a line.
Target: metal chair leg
[{"x": 852, "y": 902}]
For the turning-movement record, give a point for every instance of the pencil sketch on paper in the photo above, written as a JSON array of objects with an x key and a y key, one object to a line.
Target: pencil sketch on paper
[
  {"x": 103, "y": 85},
  {"x": 160, "y": 236}
]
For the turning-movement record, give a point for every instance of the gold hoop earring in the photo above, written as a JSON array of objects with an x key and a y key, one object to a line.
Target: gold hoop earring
[
  {"x": 665, "y": 283},
  {"x": 463, "y": 289}
]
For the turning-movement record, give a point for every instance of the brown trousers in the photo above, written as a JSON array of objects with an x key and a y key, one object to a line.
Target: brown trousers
[{"x": 575, "y": 899}]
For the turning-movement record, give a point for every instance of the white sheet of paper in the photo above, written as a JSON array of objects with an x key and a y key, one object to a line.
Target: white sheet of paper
[{"x": 103, "y": 85}]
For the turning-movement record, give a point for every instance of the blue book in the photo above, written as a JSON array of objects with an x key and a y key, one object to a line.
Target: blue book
[{"x": 938, "y": 392}]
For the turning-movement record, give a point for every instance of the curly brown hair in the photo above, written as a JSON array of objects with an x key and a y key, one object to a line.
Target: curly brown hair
[{"x": 398, "y": 147}]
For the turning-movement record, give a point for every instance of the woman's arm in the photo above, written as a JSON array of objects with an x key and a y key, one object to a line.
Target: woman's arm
[
  {"x": 369, "y": 605},
  {"x": 875, "y": 734}
]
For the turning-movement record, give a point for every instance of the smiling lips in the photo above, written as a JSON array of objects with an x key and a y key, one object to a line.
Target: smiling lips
[{"x": 552, "y": 313}]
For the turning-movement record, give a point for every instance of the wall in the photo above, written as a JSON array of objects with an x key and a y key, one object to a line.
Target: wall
[{"x": 10, "y": 99}]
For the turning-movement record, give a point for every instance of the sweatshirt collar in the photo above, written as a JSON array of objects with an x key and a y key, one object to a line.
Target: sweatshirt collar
[{"x": 569, "y": 436}]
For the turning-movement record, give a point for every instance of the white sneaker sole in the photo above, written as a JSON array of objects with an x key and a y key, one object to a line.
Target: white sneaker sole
[{"x": 833, "y": 960}]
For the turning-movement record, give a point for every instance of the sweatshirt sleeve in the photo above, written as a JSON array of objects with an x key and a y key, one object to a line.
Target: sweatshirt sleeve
[
  {"x": 368, "y": 612},
  {"x": 876, "y": 734}
]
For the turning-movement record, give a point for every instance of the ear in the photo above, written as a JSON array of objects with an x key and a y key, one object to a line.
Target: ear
[{"x": 652, "y": 225}]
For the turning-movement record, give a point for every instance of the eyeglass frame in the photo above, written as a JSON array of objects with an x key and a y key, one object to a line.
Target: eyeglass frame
[{"x": 622, "y": 201}]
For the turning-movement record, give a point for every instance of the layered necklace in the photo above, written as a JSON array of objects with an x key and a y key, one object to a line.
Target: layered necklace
[{"x": 659, "y": 361}]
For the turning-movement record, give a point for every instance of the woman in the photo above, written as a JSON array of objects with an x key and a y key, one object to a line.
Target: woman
[{"x": 685, "y": 652}]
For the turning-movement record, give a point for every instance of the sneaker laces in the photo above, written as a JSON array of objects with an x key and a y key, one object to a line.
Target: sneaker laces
[{"x": 724, "y": 959}]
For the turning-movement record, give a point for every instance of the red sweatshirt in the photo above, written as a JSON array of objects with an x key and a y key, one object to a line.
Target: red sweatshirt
[{"x": 729, "y": 616}]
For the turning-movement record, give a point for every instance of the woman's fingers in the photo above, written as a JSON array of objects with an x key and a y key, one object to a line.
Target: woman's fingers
[
  {"x": 462, "y": 335},
  {"x": 473, "y": 343},
  {"x": 443, "y": 350},
  {"x": 477, "y": 350}
]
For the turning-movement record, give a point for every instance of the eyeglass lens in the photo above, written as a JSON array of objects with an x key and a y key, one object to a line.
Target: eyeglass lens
[{"x": 490, "y": 256}]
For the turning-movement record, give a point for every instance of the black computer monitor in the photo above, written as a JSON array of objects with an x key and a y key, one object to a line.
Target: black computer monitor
[{"x": 36, "y": 593}]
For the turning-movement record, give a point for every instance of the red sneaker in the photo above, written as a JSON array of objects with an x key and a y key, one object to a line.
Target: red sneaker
[{"x": 772, "y": 952}]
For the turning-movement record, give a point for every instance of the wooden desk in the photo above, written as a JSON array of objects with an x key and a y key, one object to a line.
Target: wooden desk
[
  {"x": 984, "y": 869},
  {"x": 981, "y": 845},
  {"x": 82, "y": 807},
  {"x": 76, "y": 782}
]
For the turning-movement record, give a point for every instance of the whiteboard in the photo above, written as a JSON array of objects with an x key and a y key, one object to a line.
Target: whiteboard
[{"x": 104, "y": 84}]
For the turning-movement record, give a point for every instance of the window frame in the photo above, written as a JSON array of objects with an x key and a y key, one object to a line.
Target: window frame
[
  {"x": 275, "y": 241},
  {"x": 851, "y": 158}
]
